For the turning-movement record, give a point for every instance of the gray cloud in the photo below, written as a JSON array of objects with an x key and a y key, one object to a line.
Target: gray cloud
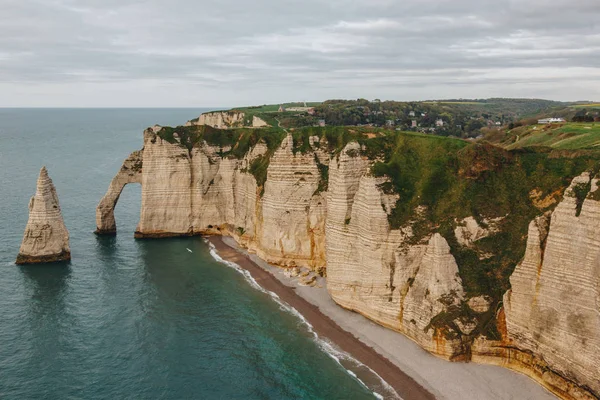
[{"x": 231, "y": 52}]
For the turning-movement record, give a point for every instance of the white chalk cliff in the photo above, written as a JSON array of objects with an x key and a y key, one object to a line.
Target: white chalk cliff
[
  {"x": 46, "y": 238},
  {"x": 228, "y": 119},
  {"x": 553, "y": 306},
  {"x": 550, "y": 320}
]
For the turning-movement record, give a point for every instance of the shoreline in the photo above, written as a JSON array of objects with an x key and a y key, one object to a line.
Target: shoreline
[
  {"x": 427, "y": 374},
  {"x": 405, "y": 386}
]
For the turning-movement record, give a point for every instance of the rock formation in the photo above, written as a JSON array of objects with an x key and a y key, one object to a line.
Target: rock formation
[
  {"x": 222, "y": 119},
  {"x": 46, "y": 238},
  {"x": 553, "y": 306},
  {"x": 131, "y": 172},
  {"x": 228, "y": 119},
  {"x": 325, "y": 210}
]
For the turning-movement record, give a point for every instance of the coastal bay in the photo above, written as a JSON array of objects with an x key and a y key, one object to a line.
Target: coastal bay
[{"x": 411, "y": 371}]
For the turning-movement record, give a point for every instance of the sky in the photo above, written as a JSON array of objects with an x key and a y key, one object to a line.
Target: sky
[{"x": 201, "y": 53}]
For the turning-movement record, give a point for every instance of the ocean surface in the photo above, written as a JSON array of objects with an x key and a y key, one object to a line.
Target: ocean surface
[{"x": 126, "y": 318}]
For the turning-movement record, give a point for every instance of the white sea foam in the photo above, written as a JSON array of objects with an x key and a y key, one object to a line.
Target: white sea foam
[{"x": 324, "y": 345}]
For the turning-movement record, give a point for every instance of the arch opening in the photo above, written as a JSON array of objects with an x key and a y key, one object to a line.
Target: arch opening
[{"x": 130, "y": 172}]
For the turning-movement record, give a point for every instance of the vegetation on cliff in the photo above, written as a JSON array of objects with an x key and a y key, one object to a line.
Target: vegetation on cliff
[
  {"x": 566, "y": 136},
  {"x": 237, "y": 141},
  {"x": 447, "y": 180}
]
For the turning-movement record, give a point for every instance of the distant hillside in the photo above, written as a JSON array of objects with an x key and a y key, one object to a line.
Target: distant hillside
[
  {"x": 568, "y": 136},
  {"x": 452, "y": 117}
]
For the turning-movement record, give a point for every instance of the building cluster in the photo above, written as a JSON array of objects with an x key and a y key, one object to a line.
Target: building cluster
[{"x": 545, "y": 121}]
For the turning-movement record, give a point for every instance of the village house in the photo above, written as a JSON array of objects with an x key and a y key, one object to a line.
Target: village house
[
  {"x": 439, "y": 122},
  {"x": 281, "y": 109},
  {"x": 414, "y": 123},
  {"x": 411, "y": 114},
  {"x": 550, "y": 120}
]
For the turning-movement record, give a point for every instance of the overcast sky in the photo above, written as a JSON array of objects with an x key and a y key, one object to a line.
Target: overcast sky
[{"x": 201, "y": 53}]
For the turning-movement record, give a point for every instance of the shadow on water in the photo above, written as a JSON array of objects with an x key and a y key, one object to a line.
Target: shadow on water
[
  {"x": 106, "y": 246},
  {"x": 46, "y": 288},
  {"x": 47, "y": 283}
]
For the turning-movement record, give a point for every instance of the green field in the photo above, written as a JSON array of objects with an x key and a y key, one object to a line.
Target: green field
[
  {"x": 589, "y": 105},
  {"x": 455, "y": 102},
  {"x": 275, "y": 107},
  {"x": 570, "y": 136}
]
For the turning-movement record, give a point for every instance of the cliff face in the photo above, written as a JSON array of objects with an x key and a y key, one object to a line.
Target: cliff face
[
  {"x": 221, "y": 119},
  {"x": 228, "y": 119},
  {"x": 553, "y": 306},
  {"x": 373, "y": 270},
  {"x": 292, "y": 216},
  {"x": 296, "y": 203},
  {"x": 46, "y": 238}
]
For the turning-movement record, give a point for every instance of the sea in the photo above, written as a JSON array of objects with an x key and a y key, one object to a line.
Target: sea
[{"x": 135, "y": 319}]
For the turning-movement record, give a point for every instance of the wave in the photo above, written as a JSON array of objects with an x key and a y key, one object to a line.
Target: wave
[{"x": 324, "y": 345}]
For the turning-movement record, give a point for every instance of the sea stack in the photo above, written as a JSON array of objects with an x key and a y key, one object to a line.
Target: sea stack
[{"x": 46, "y": 238}]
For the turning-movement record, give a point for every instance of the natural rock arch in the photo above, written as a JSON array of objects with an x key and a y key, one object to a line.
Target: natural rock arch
[{"x": 130, "y": 172}]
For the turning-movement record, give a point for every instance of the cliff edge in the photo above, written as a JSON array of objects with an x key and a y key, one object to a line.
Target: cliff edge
[{"x": 432, "y": 237}]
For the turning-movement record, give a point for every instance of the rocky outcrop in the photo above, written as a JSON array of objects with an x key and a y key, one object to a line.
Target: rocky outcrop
[
  {"x": 130, "y": 172},
  {"x": 46, "y": 238},
  {"x": 553, "y": 306},
  {"x": 327, "y": 212},
  {"x": 469, "y": 230},
  {"x": 228, "y": 119},
  {"x": 258, "y": 122},
  {"x": 221, "y": 119}
]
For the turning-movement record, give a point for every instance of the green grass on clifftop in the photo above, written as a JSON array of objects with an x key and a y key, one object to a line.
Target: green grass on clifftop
[
  {"x": 447, "y": 180},
  {"x": 240, "y": 140},
  {"x": 568, "y": 136},
  {"x": 450, "y": 181}
]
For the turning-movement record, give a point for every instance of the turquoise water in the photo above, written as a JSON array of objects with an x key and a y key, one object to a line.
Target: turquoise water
[{"x": 132, "y": 318}]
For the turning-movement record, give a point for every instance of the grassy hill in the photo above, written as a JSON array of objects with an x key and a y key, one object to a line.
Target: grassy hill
[
  {"x": 275, "y": 107},
  {"x": 568, "y": 136}
]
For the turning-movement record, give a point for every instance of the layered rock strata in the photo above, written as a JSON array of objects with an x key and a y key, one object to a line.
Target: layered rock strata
[
  {"x": 46, "y": 238},
  {"x": 228, "y": 119},
  {"x": 548, "y": 325},
  {"x": 372, "y": 270},
  {"x": 130, "y": 172},
  {"x": 553, "y": 307},
  {"x": 221, "y": 119}
]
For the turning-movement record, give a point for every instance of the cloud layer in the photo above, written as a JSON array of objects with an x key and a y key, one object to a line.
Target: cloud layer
[{"x": 233, "y": 52}]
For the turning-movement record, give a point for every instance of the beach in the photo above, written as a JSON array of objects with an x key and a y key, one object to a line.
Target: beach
[{"x": 411, "y": 371}]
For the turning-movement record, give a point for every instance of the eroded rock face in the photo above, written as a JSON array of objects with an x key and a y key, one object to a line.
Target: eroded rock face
[
  {"x": 469, "y": 230},
  {"x": 372, "y": 270},
  {"x": 228, "y": 119},
  {"x": 222, "y": 119},
  {"x": 553, "y": 308},
  {"x": 130, "y": 172},
  {"x": 291, "y": 219},
  {"x": 46, "y": 238},
  {"x": 258, "y": 122},
  {"x": 412, "y": 286}
]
